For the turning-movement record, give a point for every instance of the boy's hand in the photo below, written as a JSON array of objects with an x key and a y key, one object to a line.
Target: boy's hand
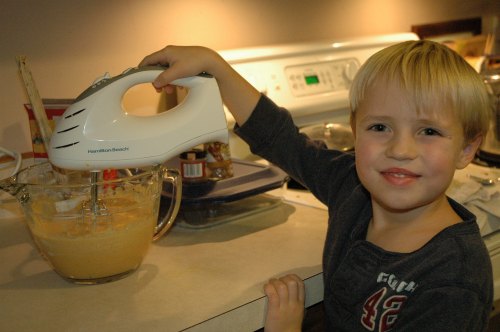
[
  {"x": 182, "y": 61},
  {"x": 286, "y": 297}
]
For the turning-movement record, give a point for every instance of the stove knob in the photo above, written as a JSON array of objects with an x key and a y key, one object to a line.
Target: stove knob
[
  {"x": 258, "y": 83},
  {"x": 350, "y": 70}
]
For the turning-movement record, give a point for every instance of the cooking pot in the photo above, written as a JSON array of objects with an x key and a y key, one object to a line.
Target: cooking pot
[
  {"x": 336, "y": 136},
  {"x": 90, "y": 241}
]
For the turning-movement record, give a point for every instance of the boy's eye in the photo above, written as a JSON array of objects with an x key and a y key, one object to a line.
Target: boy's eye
[
  {"x": 378, "y": 127},
  {"x": 430, "y": 132}
]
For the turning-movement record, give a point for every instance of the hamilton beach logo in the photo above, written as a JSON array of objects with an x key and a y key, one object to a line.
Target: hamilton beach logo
[{"x": 123, "y": 149}]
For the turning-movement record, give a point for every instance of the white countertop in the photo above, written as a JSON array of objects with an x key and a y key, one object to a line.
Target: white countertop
[
  {"x": 190, "y": 280},
  {"x": 194, "y": 280}
]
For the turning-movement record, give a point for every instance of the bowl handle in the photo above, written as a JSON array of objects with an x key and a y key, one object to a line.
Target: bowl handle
[{"x": 173, "y": 176}]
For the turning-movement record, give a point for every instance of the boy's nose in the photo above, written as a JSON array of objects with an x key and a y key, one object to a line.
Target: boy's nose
[{"x": 402, "y": 147}]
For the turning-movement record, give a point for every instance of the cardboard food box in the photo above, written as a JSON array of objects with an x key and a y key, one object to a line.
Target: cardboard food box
[{"x": 54, "y": 108}]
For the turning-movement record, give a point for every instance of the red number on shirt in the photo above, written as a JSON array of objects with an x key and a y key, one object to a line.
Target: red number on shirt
[
  {"x": 391, "y": 308},
  {"x": 370, "y": 309}
]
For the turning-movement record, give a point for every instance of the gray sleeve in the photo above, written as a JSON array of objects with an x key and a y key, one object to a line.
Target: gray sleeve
[{"x": 271, "y": 134}]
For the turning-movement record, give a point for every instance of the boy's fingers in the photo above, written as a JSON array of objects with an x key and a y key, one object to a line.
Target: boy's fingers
[
  {"x": 156, "y": 58},
  {"x": 295, "y": 287},
  {"x": 272, "y": 293}
]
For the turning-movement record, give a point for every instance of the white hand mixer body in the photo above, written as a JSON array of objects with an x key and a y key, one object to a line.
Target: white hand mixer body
[{"x": 96, "y": 133}]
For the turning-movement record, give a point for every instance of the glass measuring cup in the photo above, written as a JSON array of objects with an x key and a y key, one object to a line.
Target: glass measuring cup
[{"x": 89, "y": 247}]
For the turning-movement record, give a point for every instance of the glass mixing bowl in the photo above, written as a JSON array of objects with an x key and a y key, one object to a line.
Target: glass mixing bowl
[{"x": 94, "y": 231}]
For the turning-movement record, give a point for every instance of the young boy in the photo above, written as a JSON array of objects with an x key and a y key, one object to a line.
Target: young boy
[{"x": 399, "y": 254}]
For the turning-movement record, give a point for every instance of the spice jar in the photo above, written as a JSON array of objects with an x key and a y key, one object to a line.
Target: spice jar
[
  {"x": 219, "y": 161},
  {"x": 193, "y": 165}
]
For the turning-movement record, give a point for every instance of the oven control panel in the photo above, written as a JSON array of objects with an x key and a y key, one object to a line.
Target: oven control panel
[
  {"x": 311, "y": 80},
  {"x": 321, "y": 77}
]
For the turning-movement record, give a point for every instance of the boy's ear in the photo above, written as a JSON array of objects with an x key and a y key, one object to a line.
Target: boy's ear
[{"x": 469, "y": 151}]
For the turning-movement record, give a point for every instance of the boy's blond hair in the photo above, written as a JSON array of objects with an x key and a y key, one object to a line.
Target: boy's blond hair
[{"x": 433, "y": 75}]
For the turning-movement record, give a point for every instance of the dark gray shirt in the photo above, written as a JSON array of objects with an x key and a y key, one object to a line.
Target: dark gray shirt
[{"x": 446, "y": 285}]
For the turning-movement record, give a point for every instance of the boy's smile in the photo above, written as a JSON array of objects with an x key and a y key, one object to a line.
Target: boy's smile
[
  {"x": 399, "y": 176},
  {"x": 404, "y": 157}
]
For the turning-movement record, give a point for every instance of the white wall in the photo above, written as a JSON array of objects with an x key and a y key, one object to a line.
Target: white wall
[{"x": 70, "y": 43}]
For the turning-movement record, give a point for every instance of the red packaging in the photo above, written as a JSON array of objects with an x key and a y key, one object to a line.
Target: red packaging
[{"x": 54, "y": 108}]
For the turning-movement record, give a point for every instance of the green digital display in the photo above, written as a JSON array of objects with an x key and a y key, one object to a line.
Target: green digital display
[{"x": 311, "y": 79}]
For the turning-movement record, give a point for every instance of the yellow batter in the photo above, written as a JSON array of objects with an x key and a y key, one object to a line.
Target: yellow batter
[{"x": 91, "y": 247}]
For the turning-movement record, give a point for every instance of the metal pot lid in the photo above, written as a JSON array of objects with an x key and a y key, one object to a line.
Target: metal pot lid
[{"x": 335, "y": 135}]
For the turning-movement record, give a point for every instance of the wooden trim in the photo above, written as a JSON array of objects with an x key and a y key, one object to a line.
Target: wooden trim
[
  {"x": 472, "y": 25},
  {"x": 25, "y": 155}
]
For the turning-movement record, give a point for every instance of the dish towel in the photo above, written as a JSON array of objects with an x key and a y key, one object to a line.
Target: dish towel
[{"x": 482, "y": 200}]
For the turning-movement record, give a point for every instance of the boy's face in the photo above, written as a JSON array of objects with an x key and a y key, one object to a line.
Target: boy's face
[{"x": 406, "y": 159}]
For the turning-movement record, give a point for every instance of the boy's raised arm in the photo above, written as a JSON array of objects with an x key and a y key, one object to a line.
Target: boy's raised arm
[{"x": 183, "y": 61}]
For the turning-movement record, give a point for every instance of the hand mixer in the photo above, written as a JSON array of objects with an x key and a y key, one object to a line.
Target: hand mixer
[{"x": 96, "y": 133}]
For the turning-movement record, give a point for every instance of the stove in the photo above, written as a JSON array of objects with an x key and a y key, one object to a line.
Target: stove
[{"x": 312, "y": 81}]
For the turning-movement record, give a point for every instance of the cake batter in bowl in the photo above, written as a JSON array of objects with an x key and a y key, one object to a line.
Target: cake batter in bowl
[{"x": 94, "y": 231}]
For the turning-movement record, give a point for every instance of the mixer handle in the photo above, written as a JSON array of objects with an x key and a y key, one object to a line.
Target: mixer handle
[
  {"x": 134, "y": 76},
  {"x": 148, "y": 74},
  {"x": 167, "y": 221}
]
